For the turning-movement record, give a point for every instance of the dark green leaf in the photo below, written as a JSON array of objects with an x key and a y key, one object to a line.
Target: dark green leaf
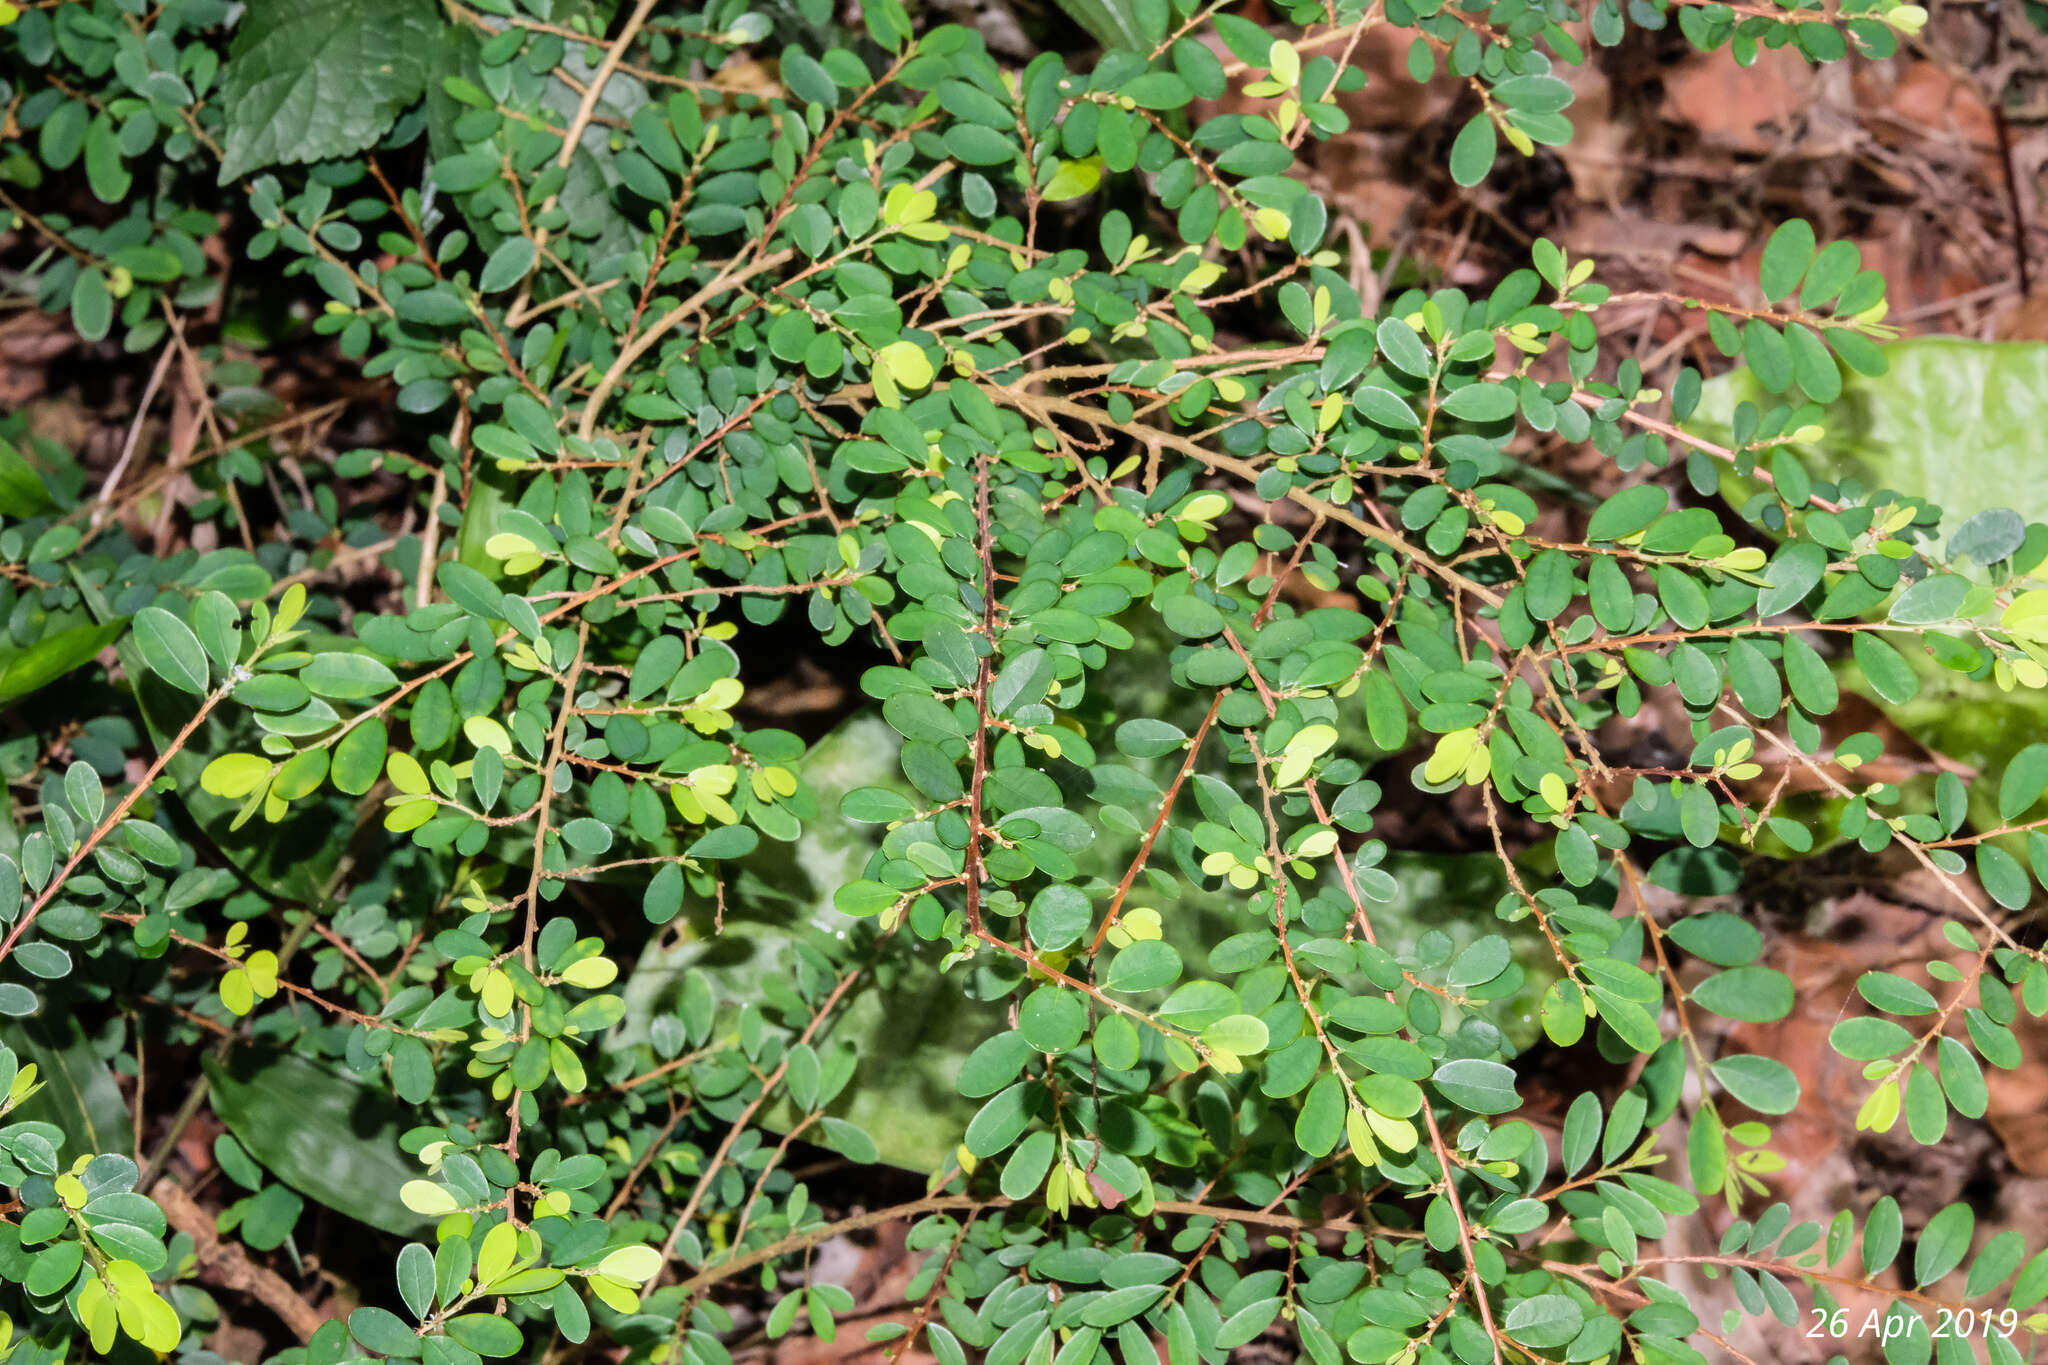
[
  {"x": 327, "y": 1134},
  {"x": 309, "y": 82},
  {"x": 171, "y": 650}
]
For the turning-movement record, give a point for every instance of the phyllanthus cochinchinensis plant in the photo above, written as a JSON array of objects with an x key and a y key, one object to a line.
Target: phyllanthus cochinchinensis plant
[{"x": 409, "y": 786}]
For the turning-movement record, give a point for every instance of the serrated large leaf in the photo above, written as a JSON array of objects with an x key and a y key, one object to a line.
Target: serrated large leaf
[{"x": 308, "y": 82}]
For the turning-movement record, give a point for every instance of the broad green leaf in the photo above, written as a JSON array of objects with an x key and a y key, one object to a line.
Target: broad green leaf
[
  {"x": 23, "y": 491},
  {"x": 1763, "y": 1083},
  {"x": 310, "y": 82},
  {"x": 1943, "y": 1243},
  {"x": 1752, "y": 994},
  {"x": 911, "y": 1037},
  {"x": 1882, "y": 1228},
  {"x": 1894, "y": 994},
  {"x": 1627, "y": 512},
  {"x": 1473, "y": 150},
  {"x": 328, "y": 1134},
  {"x": 1482, "y": 1086},
  {"x": 1901, "y": 430},
  {"x": 1786, "y": 257},
  {"x": 1113, "y": 23},
  {"x": 53, "y": 656},
  {"x": 1544, "y": 1321},
  {"x": 79, "y": 1095},
  {"x": 171, "y": 650}
]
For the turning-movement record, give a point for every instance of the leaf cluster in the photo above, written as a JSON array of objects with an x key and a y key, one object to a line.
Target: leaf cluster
[{"x": 946, "y": 365}]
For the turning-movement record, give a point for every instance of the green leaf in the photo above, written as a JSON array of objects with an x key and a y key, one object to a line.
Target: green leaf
[
  {"x": 1474, "y": 1083},
  {"x": 1867, "y": 1039},
  {"x": 268, "y": 1219},
  {"x": 171, "y": 650},
  {"x": 1721, "y": 938},
  {"x": 1932, "y": 600},
  {"x": 2003, "y": 877},
  {"x": 1681, "y": 597},
  {"x": 1786, "y": 256},
  {"x": 729, "y": 841},
  {"x": 1581, "y": 1135},
  {"x": 1147, "y": 737},
  {"x": 92, "y": 307},
  {"x": 384, "y": 1332},
  {"x": 995, "y": 1063},
  {"x": 1242, "y": 1035},
  {"x": 1321, "y": 1120},
  {"x": 471, "y": 591},
  {"x": 2025, "y": 778},
  {"x": 1022, "y": 681},
  {"x": 507, "y": 265},
  {"x": 1112, "y": 23},
  {"x": 1073, "y": 179},
  {"x": 1903, "y": 429},
  {"x": 1144, "y": 966},
  {"x": 1943, "y": 1243},
  {"x": 1894, "y": 994},
  {"x": 2032, "y": 1285},
  {"x": 1627, "y": 512},
  {"x": 1962, "y": 1079},
  {"x": 1813, "y": 368},
  {"x": 1887, "y": 672},
  {"x": 1025, "y": 1171},
  {"x": 1832, "y": 269},
  {"x": 1792, "y": 573},
  {"x": 1403, "y": 348},
  {"x": 346, "y": 676},
  {"x": 1999, "y": 1258},
  {"x": 1481, "y": 403},
  {"x": 1763, "y": 1083},
  {"x": 309, "y": 82},
  {"x": 79, "y": 1094},
  {"x": 326, "y": 1133},
  {"x": 1002, "y": 1120},
  {"x": 416, "y": 1279},
  {"x": 1768, "y": 353},
  {"x": 1544, "y": 1321},
  {"x": 1241, "y": 1327},
  {"x": 359, "y": 758},
  {"x": 807, "y": 80},
  {"x": 1480, "y": 963},
  {"x": 1924, "y": 1106},
  {"x": 664, "y": 895},
  {"x": 486, "y": 1333},
  {"x": 1883, "y": 1228},
  {"x": 1534, "y": 94},
  {"x": 1989, "y": 536},
  {"x": 1052, "y": 1020},
  {"x": 23, "y": 491},
  {"x": 1121, "y": 1305},
  {"x": 1059, "y": 915},
  {"x": 1189, "y": 616},
  {"x": 55, "y": 655},
  {"x": 1158, "y": 90},
  {"x": 1472, "y": 152}
]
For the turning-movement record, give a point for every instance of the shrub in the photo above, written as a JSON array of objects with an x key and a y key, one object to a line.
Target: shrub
[{"x": 426, "y": 802}]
